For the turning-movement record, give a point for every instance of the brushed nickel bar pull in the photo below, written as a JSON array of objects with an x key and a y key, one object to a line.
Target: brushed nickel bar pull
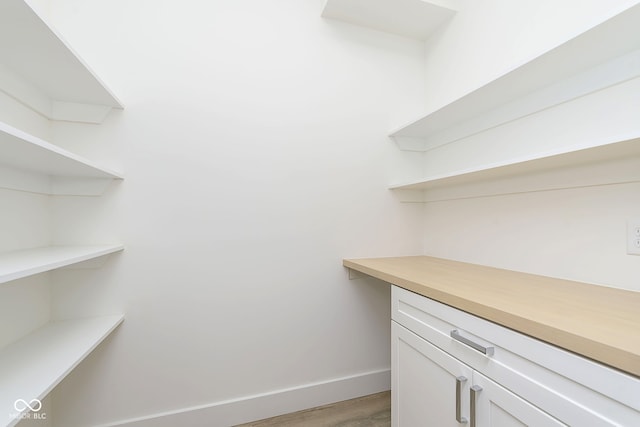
[
  {"x": 473, "y": 391},
  {"x": 482, "y": 349},
  {"x": 459, "y": 417}
]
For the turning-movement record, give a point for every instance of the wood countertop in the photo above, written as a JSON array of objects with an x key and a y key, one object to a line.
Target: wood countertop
[{"x": 597, "y": 322}]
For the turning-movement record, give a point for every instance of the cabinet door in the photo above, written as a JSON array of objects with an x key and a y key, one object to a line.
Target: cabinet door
[
  {"x": 494, "y": 406},
  {"x": 570, "y": 388},
  {"x": 429, "y": 387}
]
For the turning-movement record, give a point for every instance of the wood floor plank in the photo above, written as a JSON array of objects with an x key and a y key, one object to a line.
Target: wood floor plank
[{"x": 368, "y": 411}]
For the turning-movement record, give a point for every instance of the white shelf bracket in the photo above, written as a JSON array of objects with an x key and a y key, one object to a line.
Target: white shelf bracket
[
  {"x": 409, "y": 196},
  {"x": 410, "y": 143},
  {"x": 83, "y": 113},
  {"x": 65, "y": 186}
]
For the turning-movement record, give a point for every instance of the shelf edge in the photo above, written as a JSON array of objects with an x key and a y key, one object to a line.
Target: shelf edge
[
  {"x": 98, "y": 327},
  {"x": 628, "y": 147},
  {"x": 25, "y": 82},
  {"x": 80, "y": 254},
  {"x": 543, "y": 95}
]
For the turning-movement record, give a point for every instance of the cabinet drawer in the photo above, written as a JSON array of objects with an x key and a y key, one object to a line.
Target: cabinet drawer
[
  {"x": 429, "y": 387},
  {"x": 572, "y": 388}
]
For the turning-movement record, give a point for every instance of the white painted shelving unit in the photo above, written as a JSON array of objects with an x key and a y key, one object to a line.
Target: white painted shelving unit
[
  {"x": 31, "y": 367},
  {"x": 600, "y": 58},
  {"x": 41, "y": 71},
  {"x": 416, "y": 19},
  {"x": 18, "y": 264},
  {"x": 605, "y": 55},
  {"x": 553, "y": 171},
  {"x": 28, "y": 163}
]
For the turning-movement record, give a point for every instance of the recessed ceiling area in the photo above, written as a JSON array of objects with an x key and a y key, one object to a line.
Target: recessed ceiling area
[{"x": 416, "y": 19}]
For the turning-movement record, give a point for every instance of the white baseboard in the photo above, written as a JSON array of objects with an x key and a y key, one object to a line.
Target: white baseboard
[{"x": 256, "y": 407}]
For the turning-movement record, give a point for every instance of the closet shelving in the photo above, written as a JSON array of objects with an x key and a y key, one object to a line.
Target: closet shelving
[
  {"x": 18, "y": 264},
  {"x": 41, "y": 167},
  {"x": 556, "y": 170},
  {"x": 416, "y": 19},
  {"x": 39, "y": 70},
  {"x": 31, "y": 367},
  {"x": 604, "y": 56},
  {"x": 42, "y": 71}
]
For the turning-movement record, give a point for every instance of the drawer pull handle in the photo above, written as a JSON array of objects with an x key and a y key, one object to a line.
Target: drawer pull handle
[
  {"x": 473, "y": 391},
  {"x": 482, "y": 349},
  {"x": 459, "y": 417}
]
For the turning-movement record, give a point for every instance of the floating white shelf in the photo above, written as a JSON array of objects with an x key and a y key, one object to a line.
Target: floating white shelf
[
  {"x": 31, "y": 367},
  {"x": 38, "y": 68},
  {"x": 416, "y": 19},
  {"x": 606, "y": 54},
  {"x": 17, "y": 264},
  {"x": 31, "y": 164},
  {"x": 565, "y": 168}
]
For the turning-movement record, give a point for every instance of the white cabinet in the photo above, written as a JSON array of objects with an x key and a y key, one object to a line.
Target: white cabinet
[
  {"x": 427, "y": 382},
  {"x": 442, "y": 380},
  {"x": 430, "y": 387},
  {"x": 492, "y": 405}
]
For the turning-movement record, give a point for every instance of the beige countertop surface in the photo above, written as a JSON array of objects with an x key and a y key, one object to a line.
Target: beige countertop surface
[{"x": 597, "y": 322}]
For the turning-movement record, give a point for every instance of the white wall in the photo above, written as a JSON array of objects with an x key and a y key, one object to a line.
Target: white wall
[
  {"x": 488, "y": 38},
  {"x": 254, "y": 149},
  {"x": 577, "y": 233},
  {"x": 24, "y": 304},
  {"x": 24, "y": 223}
]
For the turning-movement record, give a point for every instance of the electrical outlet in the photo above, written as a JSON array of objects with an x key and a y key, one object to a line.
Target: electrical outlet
[{"x": 633, "y": 236}]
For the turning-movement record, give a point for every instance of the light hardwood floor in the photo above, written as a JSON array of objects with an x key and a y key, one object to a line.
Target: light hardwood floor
[{"x": 367, "y": 411}]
